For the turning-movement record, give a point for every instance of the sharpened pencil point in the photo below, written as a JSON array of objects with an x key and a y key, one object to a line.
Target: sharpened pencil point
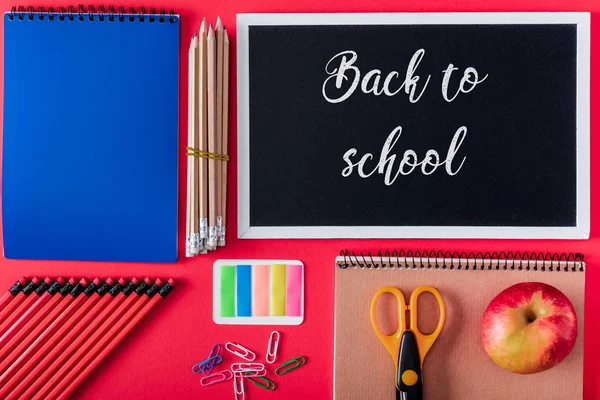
[{"x": 219, "y": 24}]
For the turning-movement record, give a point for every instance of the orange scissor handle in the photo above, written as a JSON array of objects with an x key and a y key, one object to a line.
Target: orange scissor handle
[
  {"x": 390, "y": 342},
  {"x": 425, "y": 341}
]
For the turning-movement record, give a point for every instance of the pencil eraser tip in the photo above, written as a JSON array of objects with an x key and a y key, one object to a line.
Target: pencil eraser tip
[
  {"x": 110, "y": 281},
  {"x": 35, "y": 280},
  {"x": 60, "y": 280},
  {"x": 148, "y": 280},
  {"x": 97, "y": 281},
  {"x": 84, "y": 282},
  {"x": 135, "y": 281},
  {"x": 48, "y": 280},
  {"x": 171, "y": 282},
  {"x": 23, "y": 280},
  {"x": 72, "y": 282},
  {"x": 122, "y": 281},
  {"x": 159, "y": 282}
]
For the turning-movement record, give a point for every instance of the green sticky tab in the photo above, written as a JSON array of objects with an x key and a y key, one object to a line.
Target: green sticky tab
[
  {"x": 278, "y": 282},
  {"x": 227, "y": 291}
]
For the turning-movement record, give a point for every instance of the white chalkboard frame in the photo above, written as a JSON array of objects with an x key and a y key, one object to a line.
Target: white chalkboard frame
[{"x": 580, "y": 231}]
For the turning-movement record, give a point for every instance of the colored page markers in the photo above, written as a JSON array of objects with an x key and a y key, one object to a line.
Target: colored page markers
[{"x": 258, "y": 292}]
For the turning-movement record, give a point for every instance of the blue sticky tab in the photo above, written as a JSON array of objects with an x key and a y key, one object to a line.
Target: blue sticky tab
[{"x": 244, "y": 290}]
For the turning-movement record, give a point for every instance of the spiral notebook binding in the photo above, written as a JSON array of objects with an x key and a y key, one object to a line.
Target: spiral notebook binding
[
  {"x": 19, "y": 13},
  {"x": 428, "y": 259}
]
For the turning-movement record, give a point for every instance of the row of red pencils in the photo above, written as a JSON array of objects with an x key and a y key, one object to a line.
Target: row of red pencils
[{"x": 55, "y": 332}]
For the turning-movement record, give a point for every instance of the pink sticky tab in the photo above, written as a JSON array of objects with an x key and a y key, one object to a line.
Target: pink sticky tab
[
  {"x": 260, "y": 290},
  {"x": 293, "y": 305}
]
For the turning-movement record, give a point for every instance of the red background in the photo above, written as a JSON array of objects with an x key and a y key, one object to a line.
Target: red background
[{"x": 155, "y": 362}]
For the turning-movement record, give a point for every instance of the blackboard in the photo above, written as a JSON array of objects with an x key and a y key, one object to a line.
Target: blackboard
[{"x": 462, "y": 125}]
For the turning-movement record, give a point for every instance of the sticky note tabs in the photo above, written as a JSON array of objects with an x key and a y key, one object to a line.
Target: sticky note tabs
[
  {"x": 293, "y": 299},
  {"x": 278, "y": 282},
  {"x": 260, "y": 290},
  {"x": 244, "y": 290},
  {"x": 227, "y": 299}
]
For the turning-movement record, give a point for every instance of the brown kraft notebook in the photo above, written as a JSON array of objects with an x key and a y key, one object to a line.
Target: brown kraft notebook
[{"x": 457, "y": 366}]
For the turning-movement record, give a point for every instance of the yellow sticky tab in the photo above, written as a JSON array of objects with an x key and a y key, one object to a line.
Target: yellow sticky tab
[{"x": 278, "y": 282}]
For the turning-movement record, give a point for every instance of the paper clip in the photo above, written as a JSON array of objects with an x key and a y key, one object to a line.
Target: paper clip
[
  {"x": 211, "y": 379},
  {"x": 298, "y": 362},
  {"x": 245, "y": 367},
  {"x": 250, "y": 373},
  {"x": 213, "y": 353},
  {"x": 239, "y": 391},
  {"x": 272, "y": 352},
  {"x": 246, "y": 355},
  {"x": 269, "y": 385},
  {"x": 208, "y": 363}
]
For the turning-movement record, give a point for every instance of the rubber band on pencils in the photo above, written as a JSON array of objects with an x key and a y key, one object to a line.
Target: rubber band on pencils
[{"x": 205, "y": 154}]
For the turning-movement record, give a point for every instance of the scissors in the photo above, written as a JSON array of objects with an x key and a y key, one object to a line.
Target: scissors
[{"x": 408, "y": 346}]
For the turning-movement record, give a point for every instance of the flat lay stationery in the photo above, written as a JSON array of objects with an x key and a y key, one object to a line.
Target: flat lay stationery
[{"x": 400, "y": 197}]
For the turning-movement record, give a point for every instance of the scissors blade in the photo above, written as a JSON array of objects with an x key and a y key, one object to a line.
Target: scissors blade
[{"x": 408, "y": 381}]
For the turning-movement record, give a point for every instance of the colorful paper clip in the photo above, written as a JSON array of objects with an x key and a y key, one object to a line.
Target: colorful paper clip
[
  {"x": 238, "y": 391},
  {"x": 245, "y": 367},
  {"x": 269, "y": 385},
  {"x": 207, "y": 365},
  {"x": 246, "y": 355},
  {"x": 272, "y": 348},
  {"x": 287, "y": 366},
  {"x": 216, "y": 378}
]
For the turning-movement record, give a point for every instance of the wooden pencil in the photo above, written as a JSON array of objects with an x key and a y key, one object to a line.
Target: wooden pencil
[
  {"x": 224, "y": 136},
  {"x": 188, "y": 213},
  {"x": 219, "y": 117},
  {"x": 195, "y": 160},
  {"x": 203, "y": 146},
  {"x": 212, "y": 142}
]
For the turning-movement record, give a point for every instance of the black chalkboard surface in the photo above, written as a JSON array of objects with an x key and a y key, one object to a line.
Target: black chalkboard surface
[{"x": 413, "y": 125}]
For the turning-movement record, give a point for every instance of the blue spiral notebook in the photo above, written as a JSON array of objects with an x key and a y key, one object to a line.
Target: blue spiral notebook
[{"x": 90, "y": 134}]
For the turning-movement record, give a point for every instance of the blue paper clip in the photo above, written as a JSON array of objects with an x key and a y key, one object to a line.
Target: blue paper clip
[{"x": 207, "y": 365}]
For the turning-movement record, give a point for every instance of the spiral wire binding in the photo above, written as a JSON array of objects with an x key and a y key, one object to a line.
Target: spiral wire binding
[
  {"x": 462, "y": 261},
  {"x": 81, "y": 14}
]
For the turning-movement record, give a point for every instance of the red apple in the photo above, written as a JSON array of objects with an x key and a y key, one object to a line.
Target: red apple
[{"x": 529, "y": 327}]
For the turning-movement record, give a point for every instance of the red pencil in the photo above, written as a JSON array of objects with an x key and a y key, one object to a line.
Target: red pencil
[
  {"x": 23, "y": 338},
  {"x": 39, "y": 348},
  {"x": 49, "y": 377},
  {"x": 35, "y": 313},
  {"x": 12, "y": 292},
  {"x": 24, "y": 306},
  {"x": 105, "y": 348},
  {"x": 19, "y": 298}
]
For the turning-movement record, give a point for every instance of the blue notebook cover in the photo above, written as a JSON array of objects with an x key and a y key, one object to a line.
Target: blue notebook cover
[{"x": 90, "y": 136}]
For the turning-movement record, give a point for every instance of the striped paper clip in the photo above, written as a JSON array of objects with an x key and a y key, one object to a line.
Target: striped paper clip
[
  {"x": 272, "y": 348},
  {"x": 238, "y": 387},
  {"x": 216, "y": 378},
  {"x": 244, "y": 354},
  {"x": 290, "y": 365}
]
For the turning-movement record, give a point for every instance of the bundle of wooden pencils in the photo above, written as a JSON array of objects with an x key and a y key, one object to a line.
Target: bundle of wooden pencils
[
  {"x": 208, "y": 111},
  {"x": 54, "y": 333}
]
